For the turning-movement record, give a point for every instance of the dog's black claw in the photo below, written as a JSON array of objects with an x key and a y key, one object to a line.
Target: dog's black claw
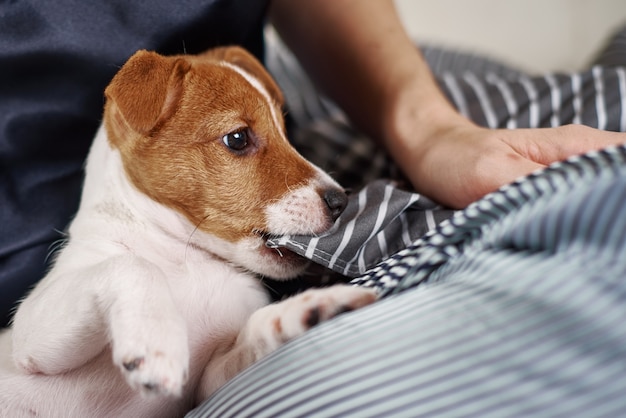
[
  {"x": 133, "y": 364},
  {"x": 150, "y": 386},
  {"x": 343, "y": 309},
  {"x": 313, "y": 318}
]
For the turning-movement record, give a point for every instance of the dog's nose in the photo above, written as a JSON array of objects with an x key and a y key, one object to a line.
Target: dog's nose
[{"x": 336, "y": 200}]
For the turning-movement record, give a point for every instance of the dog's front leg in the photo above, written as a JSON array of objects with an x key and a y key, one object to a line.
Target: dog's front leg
[
  {"x": 123, "y": 301},
  {"x": 273, "y": 325},
  {"x": 60, "y": 325}
]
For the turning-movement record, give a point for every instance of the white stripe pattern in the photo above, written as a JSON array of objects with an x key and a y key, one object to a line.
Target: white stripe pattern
[
  {"x": 533, "y": 98},
  {"x": 621, "y": 75},
  {"x": 509, "y": 99},
  {"x": 483, "y": 98},
  {"x": 600, "y": 106},
  {"x": 555, "y": 95},
  {"x": 346, "y": 237},
  {"x": 382, "y": 212},
  {"x": 577, "y": 100}
]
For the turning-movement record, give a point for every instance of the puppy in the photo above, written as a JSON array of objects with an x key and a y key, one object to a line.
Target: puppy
[{"x": 155, "y": 300}]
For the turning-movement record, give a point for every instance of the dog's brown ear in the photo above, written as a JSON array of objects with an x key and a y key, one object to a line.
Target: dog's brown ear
[
  {"x": 246, "y": 61},
  {"x": 145, "y": 92}
]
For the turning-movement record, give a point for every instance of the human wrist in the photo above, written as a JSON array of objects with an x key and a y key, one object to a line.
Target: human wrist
[{"x": 416, "y": 121}]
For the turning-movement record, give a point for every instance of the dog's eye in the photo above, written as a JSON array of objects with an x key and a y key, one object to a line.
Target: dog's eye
[{"x": 236, "y": 140}]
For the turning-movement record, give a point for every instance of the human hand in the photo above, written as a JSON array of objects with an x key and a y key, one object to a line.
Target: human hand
[
  {"x": 365, "y": 62},
  {"x": 461, "y": 163}
]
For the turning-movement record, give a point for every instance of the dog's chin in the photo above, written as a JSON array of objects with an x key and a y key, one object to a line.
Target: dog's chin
[
  {"x": 276, "y": 263},
  {"x": 281, "y": 264}
]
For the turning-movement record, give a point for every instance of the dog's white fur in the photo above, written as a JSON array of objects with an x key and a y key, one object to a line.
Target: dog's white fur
[{"x": 145, "y": 314}]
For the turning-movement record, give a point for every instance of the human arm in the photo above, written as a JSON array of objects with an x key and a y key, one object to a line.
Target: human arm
[{"x": 358, "y": 53}]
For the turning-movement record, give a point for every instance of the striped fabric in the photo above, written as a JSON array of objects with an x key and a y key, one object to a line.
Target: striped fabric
[
  {"x": 515, "y": 306},
  {"x": 486, "y": 91},
  {"x": 416, "y": 263},
  {"x": 594, "y": 98},
  {"x": 383, "y": 217},
  {"x": 520, "y": 311}
]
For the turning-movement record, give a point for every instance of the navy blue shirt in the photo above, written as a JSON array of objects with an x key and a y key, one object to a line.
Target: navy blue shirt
[{"x": 56, "y": 58}]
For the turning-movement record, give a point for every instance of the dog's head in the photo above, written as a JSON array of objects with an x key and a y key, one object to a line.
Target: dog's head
[{"x": 205, "y": 136}]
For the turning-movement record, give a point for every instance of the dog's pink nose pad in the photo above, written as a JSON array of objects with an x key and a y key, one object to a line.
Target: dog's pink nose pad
[{"x": 336, "y": 200}]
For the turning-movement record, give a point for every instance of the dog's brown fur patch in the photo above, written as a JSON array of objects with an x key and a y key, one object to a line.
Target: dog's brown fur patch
[{"x": 168, "y": 115}]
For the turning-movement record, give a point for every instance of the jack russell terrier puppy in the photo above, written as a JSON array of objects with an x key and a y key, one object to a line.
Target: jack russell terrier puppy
[{"x": 155, "y": 300}]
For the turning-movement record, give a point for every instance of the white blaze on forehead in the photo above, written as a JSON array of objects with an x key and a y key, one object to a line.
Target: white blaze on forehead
[{"x": 258, "y": 85}]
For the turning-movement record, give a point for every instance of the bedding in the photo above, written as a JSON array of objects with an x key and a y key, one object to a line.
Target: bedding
[{"x": 515, "y": 306}]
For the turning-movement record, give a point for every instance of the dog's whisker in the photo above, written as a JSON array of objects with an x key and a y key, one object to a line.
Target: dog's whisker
[
  {"x": 265, "y": 284},
  {"x": 287, "y": 184},
  {"x": 188, "y": 244}
]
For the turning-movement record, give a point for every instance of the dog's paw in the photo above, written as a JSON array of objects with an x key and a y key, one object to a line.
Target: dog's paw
[
  {"x": 154, "y": 363},
  {"x": 296, "y": 315}
]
